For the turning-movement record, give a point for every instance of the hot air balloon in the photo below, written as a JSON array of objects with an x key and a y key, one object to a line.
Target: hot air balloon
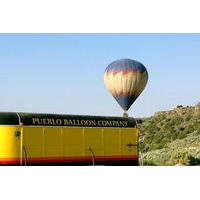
[{"x": 125, "y": 79}]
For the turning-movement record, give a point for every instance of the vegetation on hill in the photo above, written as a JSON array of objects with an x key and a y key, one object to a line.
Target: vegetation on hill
[{"x": 171, "y": 137}]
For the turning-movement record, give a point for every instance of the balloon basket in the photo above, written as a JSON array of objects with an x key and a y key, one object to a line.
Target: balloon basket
[{"x": 125, "y": 114}]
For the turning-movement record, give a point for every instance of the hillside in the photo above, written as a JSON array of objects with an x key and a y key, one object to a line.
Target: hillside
[{"x": 171, "y": 137}]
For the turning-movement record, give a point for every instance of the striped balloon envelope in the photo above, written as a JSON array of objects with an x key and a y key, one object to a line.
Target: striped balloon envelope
[{"x": 125, "y": 79}]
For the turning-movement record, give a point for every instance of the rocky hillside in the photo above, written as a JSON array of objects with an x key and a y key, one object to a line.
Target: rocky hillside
[{"x": 171, "y": 137}]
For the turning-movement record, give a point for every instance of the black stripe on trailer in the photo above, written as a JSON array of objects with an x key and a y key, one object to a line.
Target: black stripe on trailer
[
  {"x": 8, "y": 118},
  {"x": 41, "y": 119}
]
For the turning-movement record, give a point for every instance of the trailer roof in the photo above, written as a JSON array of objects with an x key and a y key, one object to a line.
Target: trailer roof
[{"x": 42, "y": 119}]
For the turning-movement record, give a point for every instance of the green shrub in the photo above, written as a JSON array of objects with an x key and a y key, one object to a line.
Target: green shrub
[{"x": 179, "y": 156}]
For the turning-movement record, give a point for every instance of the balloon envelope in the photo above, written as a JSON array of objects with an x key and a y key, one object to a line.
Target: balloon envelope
[{"x": 125, "y": 79}]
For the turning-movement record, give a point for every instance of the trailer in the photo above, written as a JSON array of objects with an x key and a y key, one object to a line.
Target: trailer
[{"x": 55, "y": 139}]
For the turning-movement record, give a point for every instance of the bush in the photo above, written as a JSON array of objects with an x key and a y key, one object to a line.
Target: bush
[
  {"x": 194, "y": 161},
  {"x": 179, "y": 156}
]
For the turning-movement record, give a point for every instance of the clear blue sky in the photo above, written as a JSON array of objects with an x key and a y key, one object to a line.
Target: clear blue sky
[{"x": 63, "y": 73}]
